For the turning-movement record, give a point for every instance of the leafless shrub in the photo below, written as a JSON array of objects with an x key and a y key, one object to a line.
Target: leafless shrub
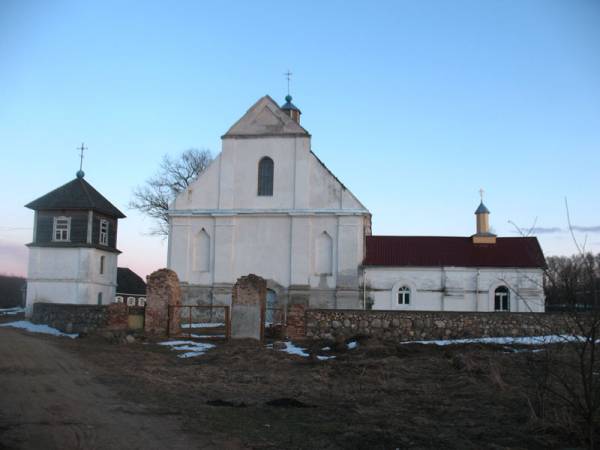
[{"x": 566, "y": 388}]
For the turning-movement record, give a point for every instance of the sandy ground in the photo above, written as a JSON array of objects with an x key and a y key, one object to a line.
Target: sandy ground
[{"x": 50, "y": 400}]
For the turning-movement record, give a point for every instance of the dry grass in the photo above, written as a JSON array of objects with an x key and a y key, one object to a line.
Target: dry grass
[{"x": 377, "y": 396}]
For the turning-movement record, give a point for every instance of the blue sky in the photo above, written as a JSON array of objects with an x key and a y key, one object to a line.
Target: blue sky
[{"x": 413, "y": 105}]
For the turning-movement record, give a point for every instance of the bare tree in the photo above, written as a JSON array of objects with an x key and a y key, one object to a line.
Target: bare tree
[
  {"x": 173, "y": 177},
  {"x": 569, "y": 279}
]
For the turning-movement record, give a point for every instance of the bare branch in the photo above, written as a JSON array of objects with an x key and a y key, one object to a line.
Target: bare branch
[
  {"x": 173, "y": 177},
  {"x": 529, "y": 231}
]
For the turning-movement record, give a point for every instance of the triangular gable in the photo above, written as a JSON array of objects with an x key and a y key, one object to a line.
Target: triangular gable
[
  {"x": 265, "y": 118},
  {"x": 346, "y": 191}
]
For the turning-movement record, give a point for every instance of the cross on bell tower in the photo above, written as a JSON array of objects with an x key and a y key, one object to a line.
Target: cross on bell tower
[
  {"x": 482, "y": 214},
  {"x": 288, "y": 75},
  {"x": 80, "y": 172},
  {"x": 288, "y": 107}
]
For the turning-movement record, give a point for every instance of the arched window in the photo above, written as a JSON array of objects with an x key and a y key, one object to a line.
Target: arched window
[
  {"x": 99, "y": 298},
  {"x": 502, "y": 299},
  {"x": 404, "y": 296},
  {"x": 265, "y": 177}
]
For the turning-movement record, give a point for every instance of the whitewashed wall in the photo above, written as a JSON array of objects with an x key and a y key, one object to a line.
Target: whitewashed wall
[
  {"x": 454, "y": 288},
  {"x": 70, "y": 275},
  {"x": 286, "y": 248},
  {"x": 279, "y": 237}
]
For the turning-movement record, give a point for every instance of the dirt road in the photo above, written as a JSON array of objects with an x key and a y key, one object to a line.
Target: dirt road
[{"x": 50, "y": 400}]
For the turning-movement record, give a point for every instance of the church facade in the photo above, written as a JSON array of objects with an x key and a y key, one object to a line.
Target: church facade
[{"x": 267, "y": 205}]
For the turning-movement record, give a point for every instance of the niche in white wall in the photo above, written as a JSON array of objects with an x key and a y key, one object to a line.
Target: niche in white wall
[
  {"x": 201, "y": 252},
  {"x": 324, "y": 254}
]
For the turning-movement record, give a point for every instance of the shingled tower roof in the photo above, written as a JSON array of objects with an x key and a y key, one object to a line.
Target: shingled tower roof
[{"x": 76, "y": 194}]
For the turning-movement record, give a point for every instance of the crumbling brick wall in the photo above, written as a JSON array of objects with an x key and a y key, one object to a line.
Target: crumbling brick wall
[
  {"x": 296, "y": 322},
  {"x": 162, "y": 291}
]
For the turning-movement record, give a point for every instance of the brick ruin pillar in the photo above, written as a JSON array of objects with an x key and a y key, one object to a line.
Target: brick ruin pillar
[
  {"x": 296, "y": 322},
  {"x": 248, "y": 300},
  {"x": 162, "y": 291}
]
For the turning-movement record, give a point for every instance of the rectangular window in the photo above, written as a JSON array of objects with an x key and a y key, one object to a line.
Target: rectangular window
[
  {"x": 404, "y": 296},
  {"x": 99, "y": 298},
  {"x": 62, "y": 229},
  {"x": 101, "y": 265},
  {"x": 502, "y": 299},
  {"x": 103, "y": 232}
]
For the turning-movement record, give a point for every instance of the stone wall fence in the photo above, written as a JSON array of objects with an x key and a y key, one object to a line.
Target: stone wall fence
[
  {"x": 72, "y": 318},
  {"x": 431, "y": 325}
]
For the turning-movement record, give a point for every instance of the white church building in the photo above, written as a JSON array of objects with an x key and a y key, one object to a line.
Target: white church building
[{"x": 267, "y": 205}]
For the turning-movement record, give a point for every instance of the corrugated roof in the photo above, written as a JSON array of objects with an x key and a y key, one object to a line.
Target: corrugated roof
[
  {"x": 76, "y": 194},
  {"x": 432, "y": 251}
]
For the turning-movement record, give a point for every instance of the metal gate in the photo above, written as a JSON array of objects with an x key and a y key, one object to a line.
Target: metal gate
[
  {"x": 200, "y": 322},
  {"x": 275, "y": 322}
]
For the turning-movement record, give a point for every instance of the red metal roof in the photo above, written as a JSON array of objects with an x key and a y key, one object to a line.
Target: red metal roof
[{"x": 433, "y": 251}]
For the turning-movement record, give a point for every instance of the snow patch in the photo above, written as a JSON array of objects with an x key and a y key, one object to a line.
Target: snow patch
[
  {"x": 522, "y": 350},
  {"x": 504, "y": 340},
  {"x": 294, "y": 350},
  {"x": 36, "y": 328},
  {"x": 352, "y": 345},
  {"x": 208, "y": 336},
  {"x": 11, "y": 311},
  {"x": 203, "y": 325},
  {"x": 191, "y": 348}
]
